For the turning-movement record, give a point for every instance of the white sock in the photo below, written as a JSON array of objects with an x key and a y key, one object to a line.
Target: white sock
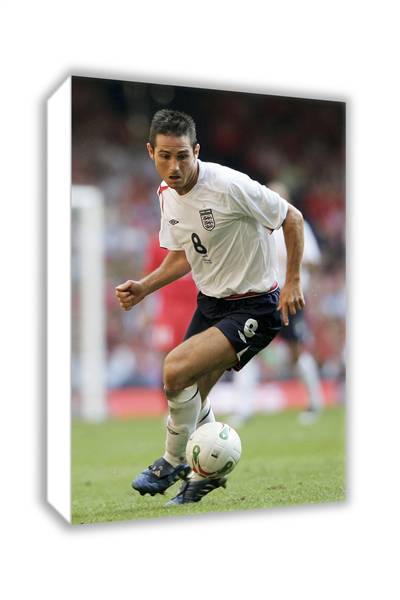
[
  {"x": 184, "y": 409},
  {"x": 206, "y": 414},
  {"x": 308, "y": 372}
]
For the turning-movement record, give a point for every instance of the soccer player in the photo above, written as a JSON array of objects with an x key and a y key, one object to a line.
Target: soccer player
[{"x": 214, "y": 222}]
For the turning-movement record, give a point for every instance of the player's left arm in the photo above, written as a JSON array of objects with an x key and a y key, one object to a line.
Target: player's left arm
[{"x": 292, "y": 299}]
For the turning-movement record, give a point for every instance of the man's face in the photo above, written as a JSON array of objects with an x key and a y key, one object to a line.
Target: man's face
[{"x": 175, "y": 161}]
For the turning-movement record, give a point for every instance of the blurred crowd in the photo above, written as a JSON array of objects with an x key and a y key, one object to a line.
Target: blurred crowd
[{"x": 296, "y": 141}]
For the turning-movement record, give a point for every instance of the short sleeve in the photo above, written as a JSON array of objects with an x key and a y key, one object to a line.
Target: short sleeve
[
  {"x": 256, "y": 201},
  {"x": 166, "y": 237}
]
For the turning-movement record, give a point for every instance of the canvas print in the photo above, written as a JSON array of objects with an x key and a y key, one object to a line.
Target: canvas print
[{"x": 208, "y": 301}]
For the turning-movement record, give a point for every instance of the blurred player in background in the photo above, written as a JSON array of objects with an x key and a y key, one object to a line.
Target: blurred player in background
[
  {"x": 213, "y": 222},
  {"x": 295, "y": 334}
]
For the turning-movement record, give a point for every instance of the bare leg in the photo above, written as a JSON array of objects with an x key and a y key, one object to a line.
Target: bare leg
[
  {"x": 200, "y": 355},
  {"x": 207, "y": 382}
]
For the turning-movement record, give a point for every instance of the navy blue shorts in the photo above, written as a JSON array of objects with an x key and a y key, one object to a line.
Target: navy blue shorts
[{"x": 249, "y": 323}]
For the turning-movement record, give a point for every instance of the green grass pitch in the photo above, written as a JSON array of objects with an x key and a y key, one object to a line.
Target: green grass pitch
[{"x": 283, "y": 463}]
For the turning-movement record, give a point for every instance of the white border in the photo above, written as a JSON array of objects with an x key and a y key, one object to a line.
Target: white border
[
  {"x": 59, "y": 300},
  {"x": 312, "y": 48}
]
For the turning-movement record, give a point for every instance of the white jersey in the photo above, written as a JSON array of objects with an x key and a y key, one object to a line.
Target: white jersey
[
  {"x": 224, "y": 224},
  {"x": 311, "y": 256}
]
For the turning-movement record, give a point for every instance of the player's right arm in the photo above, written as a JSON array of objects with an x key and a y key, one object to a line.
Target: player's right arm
[{"x": 173, "y": 267}]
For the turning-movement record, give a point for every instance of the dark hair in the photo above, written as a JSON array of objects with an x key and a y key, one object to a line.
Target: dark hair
[{"x": 172, "y": 122}]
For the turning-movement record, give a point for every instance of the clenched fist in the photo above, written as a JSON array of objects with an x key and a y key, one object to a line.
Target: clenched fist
[{"x": 129, "y": 294}]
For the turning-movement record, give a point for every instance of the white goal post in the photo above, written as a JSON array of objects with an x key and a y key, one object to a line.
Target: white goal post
[{"x": 88, "y": 203}]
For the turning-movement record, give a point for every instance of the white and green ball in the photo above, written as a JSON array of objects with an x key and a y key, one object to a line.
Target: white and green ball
[{"x": 213, "y": 450}]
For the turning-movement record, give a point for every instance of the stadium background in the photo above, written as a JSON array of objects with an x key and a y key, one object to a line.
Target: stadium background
[{"x": 297, "y": 141}]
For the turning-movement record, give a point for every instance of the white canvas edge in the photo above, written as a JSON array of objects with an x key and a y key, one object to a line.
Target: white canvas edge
[{"x": 59, "y": 300}]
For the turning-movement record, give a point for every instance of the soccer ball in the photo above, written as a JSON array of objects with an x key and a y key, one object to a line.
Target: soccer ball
[{"x": 213, "y": 450}]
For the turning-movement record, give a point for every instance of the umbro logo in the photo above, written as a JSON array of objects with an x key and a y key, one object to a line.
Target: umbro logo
[
  {"x": 173, "y": 222},
  {"x": 242, "y": 337}
]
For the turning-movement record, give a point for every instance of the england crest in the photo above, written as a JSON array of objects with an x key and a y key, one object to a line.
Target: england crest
[{"x": 207, "y": 219}]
